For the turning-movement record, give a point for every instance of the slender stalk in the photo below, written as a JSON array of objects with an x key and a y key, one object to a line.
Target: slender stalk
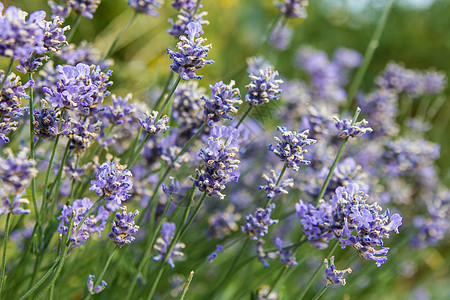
[
  {"x": 105, "y": 268},
  {"x": 230, "y": 270},
  {"x": 336, "y": 160},
  {"x": 178, "y": 234},
  {"x": 188, "y": 282},
  {"x": 74, "y": 28},
  {"x": 194, "y": 214},
  {"x": 277, "y": 184},
  {"x": 116, "y": 40},
  {"x": 277, "y": 281},
  {"x": 317, "y": 272},
  {"x": 244, "y": 116},
  {"x": 39, "y": 283},
  {"x": 5, "y": 243},
  {"x": 8, "y": 71},
  {"x": 72, "y": 187},
  {"x": 197, "y": 6},
  {"x": 135, "y": 155},
  {"x": 166, "y": 88},
  {"x": 33, "y": 180},
  {"x": 372, "y": 46},
  {"x": 321, "y": 292},
  {"x": 57, "y": 183},
  {"x": 167, "y": 100}
]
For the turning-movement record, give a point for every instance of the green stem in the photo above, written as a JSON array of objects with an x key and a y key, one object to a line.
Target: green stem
[
  {"x": 194, "y": 214},
  {"x": 244, "y": 116},
  {"x": 138, "y": 151},
  {"x": 105, "y": 268},
  {"x": 57, "y": 183},
  {"x": 197, "y": 6},
  {"x": 317, "y": 272},
  {"x": 166, "y": 88},
  {"x": 74, "y": 28},
  {"x": 336, "y": 160},
  {"x": 167, "y": 100},
  {"x": 33, "y": 180},
  {"x": 8, "y": 71},
  {"x": 277, "y": 281},
  {"x": 373, "y": 45},
  {"x": 116, "y": 40},
  {"x": 230, "y": 270},
  {"x": 72, "y": 187},
  {"x": 5, "y": 243},
  {"x": 188, "y": 282},
  {"x": 39, "y": 283},
  {"x": 321, "y": 292}
]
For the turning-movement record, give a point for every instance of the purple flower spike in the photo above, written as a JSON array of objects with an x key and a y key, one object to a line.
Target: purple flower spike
[
  {"x": 16, "y": 171},
  {"x": 290, "y": 147},
  {"x": 271, "y": 187},
  {"x": 114, "y": 183},
  {"x": 257, "y": 225},
  {"x": 222, "y": 102},
  {"x": 191, "y": 55},
  {"x": 263, "y": 87},
  {"x": 98, "y": 288},
  {"x": 123, "y": 228},
  {"x": 149, "y": 125},
  {"x": 86, "y": 8},
  {"x": 146, "y": 6},
  {"x": 213, "y": 255},
  {"x": 286, "y": 256},
  {"x": 346, "y": 129},
  {"x": 163, "y": 243},
  {"x": 13, "y": 204},
  {"x": 293, "y": 9},
  {"x": 335, "y": 276}
]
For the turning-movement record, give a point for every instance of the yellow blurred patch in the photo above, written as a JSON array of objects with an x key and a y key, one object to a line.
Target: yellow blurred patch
[{"x": 227, "y": 3}]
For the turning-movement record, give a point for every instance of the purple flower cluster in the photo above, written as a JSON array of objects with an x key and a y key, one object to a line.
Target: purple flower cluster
[
  {"x": 98, "y": 288},
  {"x": 16, "y": 171},
  {"x": 191, "y": 55},
  {"x": 11, "y": 94},
  {"x": 80, "y": 232},
  {"x": 213, "y": 255},
  {"x": 286, "y": 256},
  {"x": 83, "y": 53},
  {"x": 81, "y": 134},
  {"x": 188, "y": 5},
  {"x": 222, "y": 223},
  {"x": 398, "y": 79},
  {"x": 114, "y": 183},
  {"x": 219, "y": 159},
  {"x": 163, "y": 243},
  {"x": 333, "y": 275},
  {"x": 293, "y": 9},
  {"x": 148, "y": 7},
  {"x": 46, "y": 122},
  {"x": 13, "y": 204},
  {"x": 222, "y": 102},
  {"x": 86, "y": 8},
  {"x": 120, "y": 111},
  {"x": 347, "y": 129},
  {"x": 79, "y": 86},
  {"x": 150, "y": 126},
  {"x": 257, "y": 224},
  {"x": 352, "y": 221},
  {"x": 291, "y": 147},
  {"x": 271, "y": 187},
  {"x": 263, "y": 87},
  {"x": 280, "y": 37},
  {"x": 123, "y": 228}
]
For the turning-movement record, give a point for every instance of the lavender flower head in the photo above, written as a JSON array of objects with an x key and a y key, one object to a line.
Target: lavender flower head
[
  {"x": 21, "y": 36},
  {"x": 13, "y": 204},
  {"x": 222, "y": 101},
  {"x": 114, "y": 183},
  {"x": 79, "y": 86},
  {"x": 347, "y": 129},
  {"x": 46, "y": 122},
  {"x": 286, "y": 256},
  {"x": 123, "y": 228},
  {"x": 16, "y": 171},
  {"x": 219, "y": 159},
  {"x": 163, "y": 243},
  {"x": 149, "y": 125},
  {"x": 271, "y": 187},
  {"x": 361, "y": 225},
  {"x": 11, "y": 94},
  {"x": 257, "y": 225},
  {"x": 121, "y": 111},
  {"x": 280, "y": 37},
  {"x": 187, "y": 5},
  {"x": 80, "y": 232},
  {"x": 81, "y": 134},
  {"x": 86, "y": 8},
  {"x": 223, "y": 223},
  {"x": 191, "y": 55},
  {"x": 263, "y": 87},
  {"x": 146, "y": 6},
  {"x": 333, "y": 275},
  {"x": 290, "y": 147},
  {"x": 98, "y": 288},
  {"x": 293, "y": 9}
]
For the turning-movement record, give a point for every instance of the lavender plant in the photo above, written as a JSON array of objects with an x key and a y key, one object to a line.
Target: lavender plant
[{"x": 205, "y": 187}]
